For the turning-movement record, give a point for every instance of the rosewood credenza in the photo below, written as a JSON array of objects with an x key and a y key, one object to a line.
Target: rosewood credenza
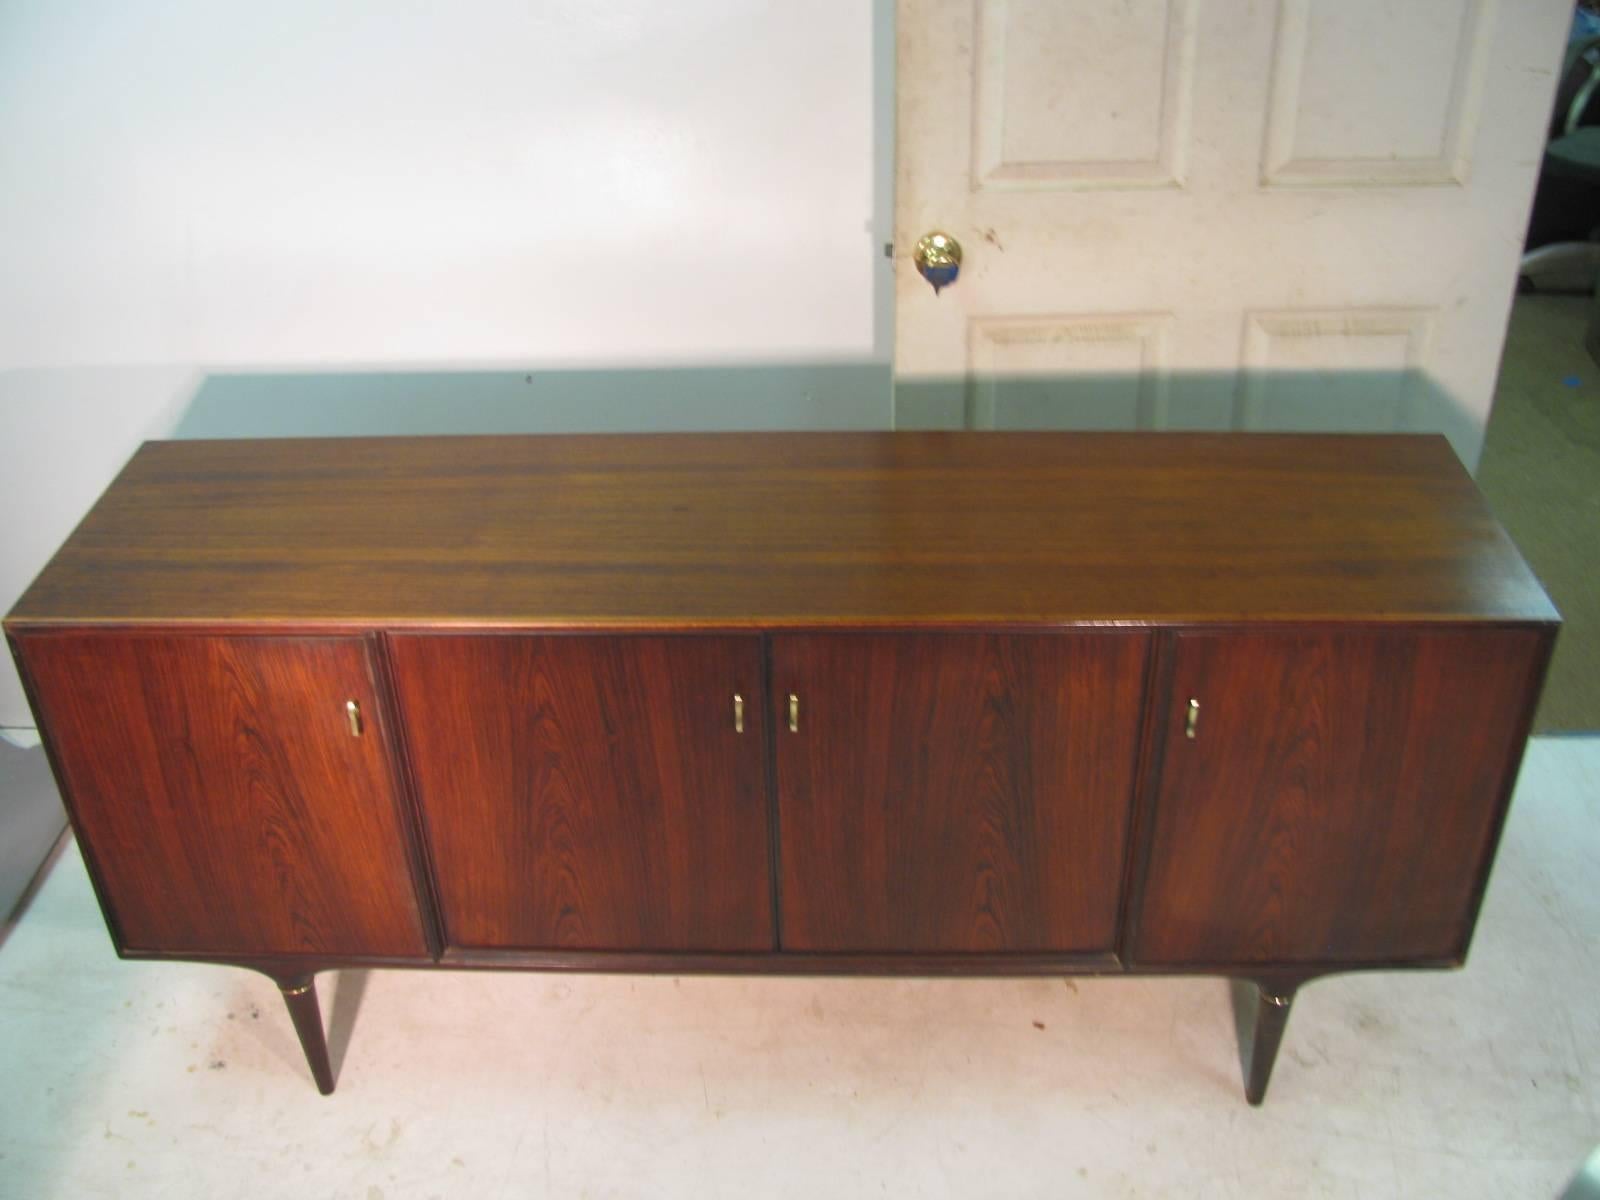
[{"x": 931, "y": 703}]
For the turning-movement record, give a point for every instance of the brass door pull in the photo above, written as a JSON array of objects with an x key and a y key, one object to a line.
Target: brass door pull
[
  {"x": 352, "y": 710},
  {"x": 1191, "y": 723},
  {"x": 794, "y": 713},
  {"x": 738, "y": 713}
]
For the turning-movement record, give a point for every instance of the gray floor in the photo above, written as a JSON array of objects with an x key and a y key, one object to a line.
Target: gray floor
[
  {"x": 31, "y": 821},
  {"x": 1541, "y": 472},
  {"x": 129, "y": 1079}
]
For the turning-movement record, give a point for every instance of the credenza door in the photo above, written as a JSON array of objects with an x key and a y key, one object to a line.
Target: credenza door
[
  {"x": 229, "y": 798},
  {"x": 1334, "y": 796},
  {"x": 591, "y": 792},
  {"x": 954, "y": 792}
]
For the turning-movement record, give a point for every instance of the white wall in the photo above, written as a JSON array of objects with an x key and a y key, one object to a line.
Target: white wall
[
  {"x": 190, "y": 188},
  {"x": 570, "y": 180}
]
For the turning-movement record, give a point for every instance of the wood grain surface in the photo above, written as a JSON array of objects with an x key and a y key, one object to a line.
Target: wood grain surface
[
  {"x": 955, "y": 792},
  {"x": 1340, "y": 797},
  {"x": 591, "y": 792},
  {"x": 743, "y": 530},
  {"x": 221, "y": 797}
]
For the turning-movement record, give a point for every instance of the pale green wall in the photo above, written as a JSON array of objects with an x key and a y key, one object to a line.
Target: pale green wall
[{"x": 789, "y": 396}]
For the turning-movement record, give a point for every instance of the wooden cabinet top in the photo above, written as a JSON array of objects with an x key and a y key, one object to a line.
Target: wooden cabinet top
[{"x": 728, "y": 530}]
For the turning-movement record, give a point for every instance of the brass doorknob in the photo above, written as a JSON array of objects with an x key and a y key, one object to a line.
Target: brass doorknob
[{"x": 938, "y": 259}]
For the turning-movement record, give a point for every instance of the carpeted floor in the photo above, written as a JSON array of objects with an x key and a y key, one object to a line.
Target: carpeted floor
[{"x": 1541, "y": 472}]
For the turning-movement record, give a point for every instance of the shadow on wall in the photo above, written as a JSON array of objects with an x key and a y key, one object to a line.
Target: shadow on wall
[
  {"x": 828, "y": 395},
  {"x": 817, "y": 396},
  {"x": 1266, "y": 401}
]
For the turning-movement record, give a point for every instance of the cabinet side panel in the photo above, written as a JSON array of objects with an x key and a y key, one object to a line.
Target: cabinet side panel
[
  {"x": 1340, "y": 796},
  {"x": 230, "y": 807},
  {"x": 591, "y": 792}
]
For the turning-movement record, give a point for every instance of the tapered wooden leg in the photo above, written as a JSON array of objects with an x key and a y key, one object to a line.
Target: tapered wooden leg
[
  {"x": 1260, "y": 1031},
  {"x": 300, "y": 994}
]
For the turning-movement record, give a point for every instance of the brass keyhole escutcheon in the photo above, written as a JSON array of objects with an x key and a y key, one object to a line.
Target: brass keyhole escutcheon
[{"x": 938, "y": 259}]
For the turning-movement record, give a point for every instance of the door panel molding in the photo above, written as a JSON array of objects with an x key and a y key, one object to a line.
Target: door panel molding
[
  {"x": 1354, "y": 369},
  {"x": 1106, "y": 351},
  {"x": 1310, "y": 143},
  {"x": 1081, "y": 147}
]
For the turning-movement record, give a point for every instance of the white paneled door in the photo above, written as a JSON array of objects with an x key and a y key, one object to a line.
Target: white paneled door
[{"x": 1216, "y": 214}]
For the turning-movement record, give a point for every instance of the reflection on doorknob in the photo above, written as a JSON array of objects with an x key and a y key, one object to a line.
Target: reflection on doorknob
[{"x": 938, "y": 259}]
